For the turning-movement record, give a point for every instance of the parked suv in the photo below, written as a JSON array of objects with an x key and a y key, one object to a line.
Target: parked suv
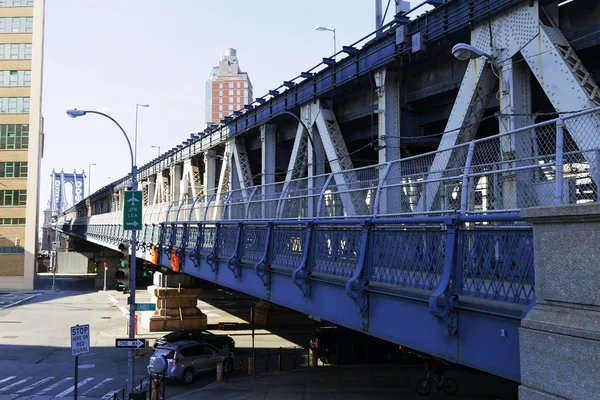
[
  {"x": 187, "y": 359},
  {"x": 197, "y": 335}
]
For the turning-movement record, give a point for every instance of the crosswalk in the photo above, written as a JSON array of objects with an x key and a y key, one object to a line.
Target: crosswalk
[{"x": 58, "y": 387}]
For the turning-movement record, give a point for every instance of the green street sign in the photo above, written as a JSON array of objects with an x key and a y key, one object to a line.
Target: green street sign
[
  {"x": 145, "y": 307},
  {"x": 132, "y": 211}
]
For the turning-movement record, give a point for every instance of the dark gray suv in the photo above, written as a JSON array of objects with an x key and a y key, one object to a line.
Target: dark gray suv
[{"x": 187, "y": 359}]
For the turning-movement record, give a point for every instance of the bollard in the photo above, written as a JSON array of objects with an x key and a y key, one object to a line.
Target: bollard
[
  {"x": 280, "y": 360},
  {"x": 250, "y": 363},
  {"x": 313, "y": 360},
  {"x": 219, "y": 372}
]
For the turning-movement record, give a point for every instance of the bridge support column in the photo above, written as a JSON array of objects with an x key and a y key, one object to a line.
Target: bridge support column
[
  {"x": 560, "y": 336},
  {"x": 210, "y": 167},
  {"x": 268, "y": 137},
  {"x": 176, "y": 304}
]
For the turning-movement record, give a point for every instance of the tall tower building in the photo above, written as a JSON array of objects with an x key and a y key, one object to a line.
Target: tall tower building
[
  {"x": 21, "y": 51},
  {"x": 228, "y": 89}
]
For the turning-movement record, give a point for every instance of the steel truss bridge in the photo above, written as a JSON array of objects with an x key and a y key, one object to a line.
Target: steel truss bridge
[{"x": 427, "y": 251}]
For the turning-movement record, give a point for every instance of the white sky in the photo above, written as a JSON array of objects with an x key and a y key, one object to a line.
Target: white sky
[{"x": 109, "y": 55}]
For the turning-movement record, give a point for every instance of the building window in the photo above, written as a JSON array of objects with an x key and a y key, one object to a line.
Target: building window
[
  {"x": 15, "y": 51},
  {"x": 231, "y": 92},
  {"x": 220, "y": 86},
  {"x": 238, "y": 85},
  {"x": 12, "y": 221},
  {"x": 230, "y": 85},
  {"x": 15, "y": 78},
  {"x": 13, "y": 169},
  {"x": 220, "y": 93},
  {"x": 220, "y": 100},
  {"x": 14, "y": 137},
  {"x": 245, "y": 84},
  {"x": 231, "y": 107},
  {"x": 246, "y": 94},
  {"x": 12, "y": 250},
  {"x": 220, "y": 108},
  {"x": 231, "y": 99},
  {"x": 239, "y": 99},
  {"x": 220, "y": 115},
  {"x": 13, "y": 197},
  {"x": 14, "y": 104},
  {"x": 11, "y": 3}
]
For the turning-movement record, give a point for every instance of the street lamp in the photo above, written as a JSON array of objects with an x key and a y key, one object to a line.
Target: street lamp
[
  {"x": 322, "y": 28},
  {"x": 137, "y": 106},
  {"x": 157, "y": 147},
  {"x": 90, "y": 178},
  {"x": 464, "y": 52},
  {"x": 133, "y": 272}
]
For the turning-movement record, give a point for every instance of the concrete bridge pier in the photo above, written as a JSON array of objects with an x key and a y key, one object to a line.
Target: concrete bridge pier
[
  {"x": 560, "y": 336},
  {"x": 176, "y": 304}
]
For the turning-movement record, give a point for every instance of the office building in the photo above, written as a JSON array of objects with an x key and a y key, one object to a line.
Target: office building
[
  {"x": 228, "y": 89},
  {"x": 21, "y": 138}
]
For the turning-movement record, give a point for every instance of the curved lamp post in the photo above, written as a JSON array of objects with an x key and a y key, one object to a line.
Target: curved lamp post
[
  {"x": 464, "y": 52},
  {"x": 322, "y": 28},
  {"x": 80, "y": 113}
]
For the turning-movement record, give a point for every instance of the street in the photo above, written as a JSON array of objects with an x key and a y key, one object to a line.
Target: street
[{"x": 35, "y": 354}]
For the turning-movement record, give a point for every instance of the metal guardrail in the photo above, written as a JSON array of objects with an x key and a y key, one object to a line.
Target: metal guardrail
[{"x": 552, "y": 162}]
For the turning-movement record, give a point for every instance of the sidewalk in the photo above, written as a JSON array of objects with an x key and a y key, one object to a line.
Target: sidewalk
[{"x": 348, "y": 382}]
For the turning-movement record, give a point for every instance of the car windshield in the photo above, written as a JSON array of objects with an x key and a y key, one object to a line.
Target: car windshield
[{"x": 168, "y": 354}]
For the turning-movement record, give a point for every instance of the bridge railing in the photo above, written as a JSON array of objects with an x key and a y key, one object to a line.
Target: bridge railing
[
  {"x": 479, "y": 258},
  {"x": 552, "y": 162}
]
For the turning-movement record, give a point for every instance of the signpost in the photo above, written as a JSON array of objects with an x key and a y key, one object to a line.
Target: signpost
[
  {"x": 80, "y": 344},
  {"x": 130, "y": 343},
  {"x": 132, "y": 211},
  {"x": 145, "y": 307}
]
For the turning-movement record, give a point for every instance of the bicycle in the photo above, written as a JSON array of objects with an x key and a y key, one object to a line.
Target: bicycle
[{"x": 447, "y": 385}]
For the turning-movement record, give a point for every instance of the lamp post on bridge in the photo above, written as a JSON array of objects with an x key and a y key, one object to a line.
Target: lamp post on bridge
[
  {"x": 156, "y": 147},
  {"x": 90, "y": 178},
  {"x": 131, "y": 353},
  {"x": 321, "y": 29},
  {"x": 137, "y": 106}
]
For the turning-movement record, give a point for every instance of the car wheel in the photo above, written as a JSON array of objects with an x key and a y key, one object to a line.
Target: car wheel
[{"x": 188, "y": 376}]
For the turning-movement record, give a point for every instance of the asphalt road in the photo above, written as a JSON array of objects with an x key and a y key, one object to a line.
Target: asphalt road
[{"x": 35, "y": 354}]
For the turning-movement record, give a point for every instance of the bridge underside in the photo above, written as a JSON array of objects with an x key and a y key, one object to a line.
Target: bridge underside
[{"x": 381, "y": 191}]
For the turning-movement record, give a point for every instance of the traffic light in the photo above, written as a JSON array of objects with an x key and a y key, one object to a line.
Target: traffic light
[{"x": 123, "y": 272}]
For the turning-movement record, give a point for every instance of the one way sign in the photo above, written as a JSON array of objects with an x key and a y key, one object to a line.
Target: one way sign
[
  {"x": 130, "y": 343},
  {"x": 132, "y": 211}
]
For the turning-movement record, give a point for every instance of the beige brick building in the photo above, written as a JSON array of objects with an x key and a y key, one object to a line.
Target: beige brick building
[{"x": 21, "y": 53}]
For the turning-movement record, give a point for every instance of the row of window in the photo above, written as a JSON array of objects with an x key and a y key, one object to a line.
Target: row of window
[
  {"x": 12, "y": 221},
  {"x": 15, "y": 3},
  {"x": 13, "y": 198},
  {"x": 16, "y": 24},
  {"x": 15, "y": 51},
  {"x": 15, "y": 78},
  {"x": 14, "y": 136},
  {"x": 232, "y": 100},
  {"x": 11, "y": 250},
  {"x": 14, "y": 104},
  {"x": 231, "y": 107},
  {"x": 13, "y": 169},
  {"x": 231, "y": 85},
  {"x": 233, "y": 92}
]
